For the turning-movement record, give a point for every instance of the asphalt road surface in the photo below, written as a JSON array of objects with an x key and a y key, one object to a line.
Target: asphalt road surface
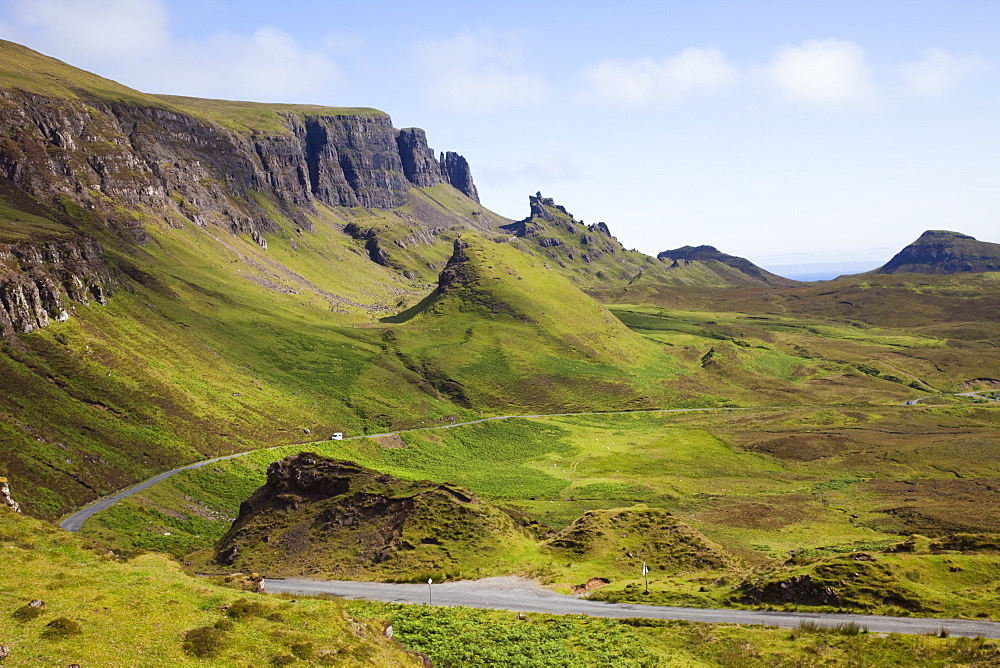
[{"x": 521, "y": 595}]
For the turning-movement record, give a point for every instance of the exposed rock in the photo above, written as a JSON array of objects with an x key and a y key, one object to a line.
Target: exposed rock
[
  {"x": 125, "y": 161},
  {"x": 39, "y": 282},
  {"x": 799, "y": 589},
  {"x": 4, "y": 652},
  {"x": 943, "y": 252},
  {"x": 420, "y": 166},
  {"x": 6, "y": 500},
  {"x": 592, "y": 583},
  {"x": 456, "y": 171},
  {"x": 372, "y": 246},
  {"x": 322, "y": 515}
]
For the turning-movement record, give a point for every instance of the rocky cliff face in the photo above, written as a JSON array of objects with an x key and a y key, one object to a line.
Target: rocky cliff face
[
  {"x": 456, "y": 171},
  {"x": 122, "y": 161},
  {"x": 943, "y": 252},
  {"x": 41, "y": 282}
]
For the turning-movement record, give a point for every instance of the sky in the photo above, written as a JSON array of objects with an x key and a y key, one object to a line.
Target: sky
[{"x": 788, "y": 132}]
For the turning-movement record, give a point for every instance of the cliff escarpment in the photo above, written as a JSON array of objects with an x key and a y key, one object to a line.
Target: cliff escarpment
[
  {"x": 123, "y": 160},
  {"x": 72, "y": 139}
]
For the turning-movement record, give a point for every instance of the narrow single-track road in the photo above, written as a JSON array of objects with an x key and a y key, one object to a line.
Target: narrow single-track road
[
  {"x": 75, "y": 521},
  {"x": 520, "y": 595}
]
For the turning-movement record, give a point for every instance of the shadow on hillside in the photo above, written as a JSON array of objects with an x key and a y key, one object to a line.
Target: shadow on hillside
[{"x": 414, "y": 310}]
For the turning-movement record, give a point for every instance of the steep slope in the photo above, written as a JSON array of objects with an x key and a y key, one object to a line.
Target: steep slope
[
  {"x": 504, "y": 330},
  {"x": 181, "y": 277},
  {"x": 318, "y": 516},
  {"x": 943, "y": 252}
]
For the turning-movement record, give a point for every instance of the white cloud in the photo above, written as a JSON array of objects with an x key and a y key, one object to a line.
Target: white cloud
[
  {"x": 102, "y": 29},
  {"x": 339, "y": 42},
  {"x": 268, "y": 66},
  {"x": 937, "y": 73},
  {"x": 829, "y": 72},
  {"x": 131, "y": 41},
  {"x": 646, "y": 80},
  {"x": 477, "y": 72}
]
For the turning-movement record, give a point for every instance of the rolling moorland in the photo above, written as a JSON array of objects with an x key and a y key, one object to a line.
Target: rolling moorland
[{"x": 182, "y": 279}]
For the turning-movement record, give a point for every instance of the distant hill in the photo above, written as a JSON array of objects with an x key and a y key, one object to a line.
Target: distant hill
[
  {"x": 711, "y": 253},
  {"x": 944, "y": 252}
]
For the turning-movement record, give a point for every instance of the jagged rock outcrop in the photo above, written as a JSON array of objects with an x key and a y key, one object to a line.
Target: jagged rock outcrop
[
  {"x": 458, "y": 270},
  {"x": 944, "y": 252},
  {"x": 40, "y": 282},
  {"x": 550, "y": 225},
  {"x": 420, "y": 166},
  {"x": 5, "y": 498},
  {"x": 457, "y": 172},
  {"x": 320, "y": 515}
]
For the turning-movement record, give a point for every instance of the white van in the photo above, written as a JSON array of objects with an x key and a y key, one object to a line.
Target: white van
[{"x": 337, "y": 436}]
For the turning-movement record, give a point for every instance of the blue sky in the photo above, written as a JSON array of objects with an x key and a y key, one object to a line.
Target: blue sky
[{"x": 785, "y": 132}]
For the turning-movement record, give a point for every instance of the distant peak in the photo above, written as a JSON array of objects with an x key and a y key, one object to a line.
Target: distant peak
[
  {"x": 944, "y": 252},
  {"x": 943, "y": 234}
]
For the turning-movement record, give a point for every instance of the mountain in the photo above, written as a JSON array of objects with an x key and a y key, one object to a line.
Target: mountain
[
  {"x": 182, "y": 278},
  {"x": 943, "y": 252},
  {"x": 712, "y": 254},
  {"x": 503, "y": 329}
]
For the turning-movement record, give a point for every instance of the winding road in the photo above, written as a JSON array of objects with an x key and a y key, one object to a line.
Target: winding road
[
  {"x": 518, "y": 594},
  {"x": 521, "y": 595},
  {"x": 75, "y": 521}
]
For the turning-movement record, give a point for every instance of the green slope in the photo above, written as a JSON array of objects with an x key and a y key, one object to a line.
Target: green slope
[
  {"x": 141, "y": 612},
  {"x": 503, "y": 330}
]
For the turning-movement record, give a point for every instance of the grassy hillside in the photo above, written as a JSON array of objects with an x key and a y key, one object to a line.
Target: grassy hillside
[
  {"x": 507, "y": 332},
  {"x": 97, "y": 610}
]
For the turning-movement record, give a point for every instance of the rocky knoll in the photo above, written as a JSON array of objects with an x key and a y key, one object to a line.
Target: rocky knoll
[
  {"x": 623, "y": 539},
  {"x": 319, "y": 516},
  {"x": 944, "y": 252}
]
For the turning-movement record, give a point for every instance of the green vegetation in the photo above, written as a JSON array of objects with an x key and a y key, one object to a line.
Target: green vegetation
[
  {"x": 470, "y": 637},
  {"x": 334, "y": 519},
  {"x": 757, "y": 486},
  {"x": 212, "y": 345},
  {"x": 99, "y": 611}
]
